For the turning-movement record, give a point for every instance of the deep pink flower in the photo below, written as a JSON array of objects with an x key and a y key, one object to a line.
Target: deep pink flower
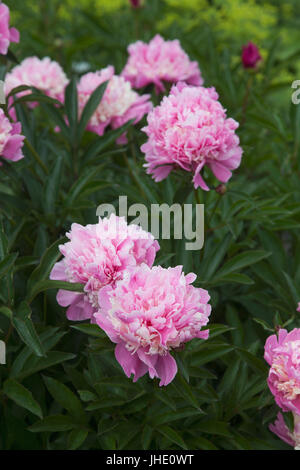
[
  {"x": 96, "y": 256},
  {"x": 135, "y": 3},
  {"x": 7, "y": 34},
  {"x": 44, "y": 74},
  {"x": 250, "y": 56},
  {"x": 119, "y": 103},
  {"x": 189, "y": 130},
  {"x": 283, "y": 355},
  {"x": 282, "y": 431},
  {"x": 11, "y": 140},
  {"x": 160, "y": 61},
  {"x": 150, "y": 312},
  {"x": 298, "y": 308}
]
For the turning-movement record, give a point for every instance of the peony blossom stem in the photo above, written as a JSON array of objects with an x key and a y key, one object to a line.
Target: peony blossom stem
[
  {"x": 246, "y": 99},
  {"x": 36, "y": 156}
]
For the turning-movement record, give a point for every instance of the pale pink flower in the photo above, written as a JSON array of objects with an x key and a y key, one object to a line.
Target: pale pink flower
[
  {"x": 44, "y": 74},
  {"x": 150, "y": 312},
  {"x": 160, "y": 61},
  {"x": 283, "y": 355},
  {"x": 282, "y": 431},
  {"x": 7, "y": 34},
  {"x": 96, "y": 256},
  {"x": 11, "y": 140},
  {"x": 189, "y": 130},
  {"x": 119, "y": 103}
]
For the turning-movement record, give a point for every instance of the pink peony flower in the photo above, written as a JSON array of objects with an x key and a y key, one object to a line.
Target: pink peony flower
[
  {"x": 150, "y": 312},
  {"x": 283, "y": 355},
  {"x": 7, "y": 34},
  {"x": 96, "y": 256},
  {"x": 298, "y": 308},
  {"x": 189, "y": 130},
  {"x": 11, "y": 141},
  {"x": 43, "y": 74},
  {"x": 160, "y": 61},
  {"x": 250, "y": 56},
  {"x": 282, "y": 431},
  {"x": 118, "y": 105}
]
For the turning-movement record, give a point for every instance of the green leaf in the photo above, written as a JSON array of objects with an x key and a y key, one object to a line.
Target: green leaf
[
  {"x": 54, "y": 423},
  {"x": 146, "y": 436},
  {"x": 38, "y": 364},
  {"x": 86, "y": 395},
  {"x": 101, "y": 143},
  {"x": 26, "y": 330},
  {"x": 65, "y": 397},
  {"x": 173, "y": 436},
  {"x": 71, "y": 105},
  {"x": 7, "y": 264},
  {"x": 78, "y": 186},
  {"x": 42, "y": 271},
  {"x": 90, "y": 108},
  {"x": 23, "y": 397},
  {"x": 257, "y": 364},
  {"x": 35, "y": 97},
  {"x": 235, "y": 277},
  {"x": 264, "y": 324},
  {"x": 186, "y": 391},
  {"x": 52, "y": 186},
  {"x": 7, "y": 312},
  {"x": 242, "y": 260},
  {"x": 18, "y": 89},
  {"x": 76, "y": 438},
  {"x": 45, "y": 285},
  {"x": 214, "y": 427},
  {"x": 89, "y": 329},
  {"x": 58, "y": 119},
  {"x": 210, "y": 352}
]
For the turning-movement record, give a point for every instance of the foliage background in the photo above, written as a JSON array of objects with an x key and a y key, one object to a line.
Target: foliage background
[{"x": 61, "y": 387}]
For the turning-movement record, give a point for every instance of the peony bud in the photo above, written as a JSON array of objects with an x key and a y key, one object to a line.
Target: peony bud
[{"x": 250, "y": 56}]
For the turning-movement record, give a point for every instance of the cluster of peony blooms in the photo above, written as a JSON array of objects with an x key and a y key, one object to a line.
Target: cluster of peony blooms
[
  {"x": 11, "y": 140},
  {"x": 160, "y": 61},
  {"x": 7, "y": 34},
  {"x": 96, "y": 256},
  {"x": 190, "y": 130},
  {"x": 282, "y": 353},
  {"x": 120, "y": 103},
  {"x": 147, "y": 311}
]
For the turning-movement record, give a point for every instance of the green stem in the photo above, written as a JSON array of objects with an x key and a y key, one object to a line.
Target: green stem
[
  {"x": 214, "y": 209},
  {"x": 246, "y": 99},
  {"x": 36, "y": 156}
]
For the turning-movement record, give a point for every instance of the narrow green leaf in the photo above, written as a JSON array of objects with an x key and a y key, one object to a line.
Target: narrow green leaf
[
  {"x": 52, "y": 186},
  {"x": 89, "y": 109},
  {"x": 23, "y": 397},
  {"x": 172, "y": 435},
  {"x": 45, "y": 285},
  {"x": 54, "y": 423},
  {"x": 65, "y": 397},
  {"x": 7, "y": 264},
  {"x": 76, "y": 438}
]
